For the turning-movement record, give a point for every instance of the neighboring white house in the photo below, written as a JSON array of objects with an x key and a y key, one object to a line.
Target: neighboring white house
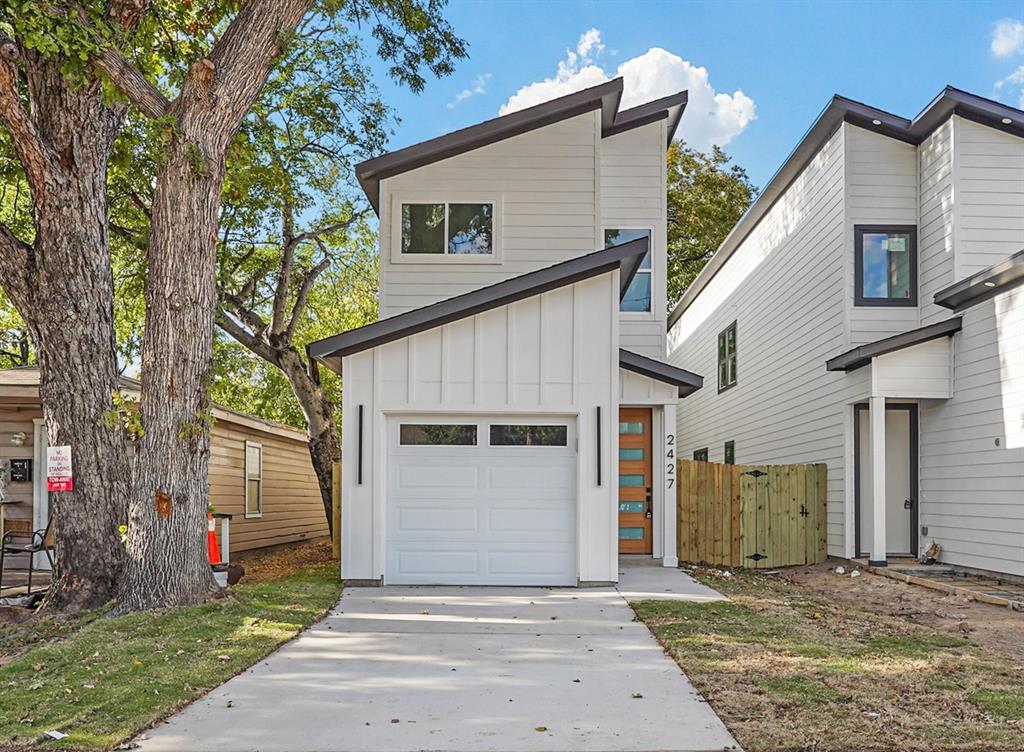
[
  {"x": 868, "y": 312},
  {"x": 511, "y": 417}
]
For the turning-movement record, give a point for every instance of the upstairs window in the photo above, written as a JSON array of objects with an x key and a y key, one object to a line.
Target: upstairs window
[
  {"x": 885, "y": 257},
  {"x": 727, "y": 358},
  {"x": 447, "y": 229},
  {"x": 638, "y": 296}
]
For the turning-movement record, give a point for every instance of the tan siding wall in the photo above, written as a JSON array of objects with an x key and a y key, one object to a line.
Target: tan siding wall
[
  {"x": 13, "y": 420},
  {"x": 292, "y": 509}
]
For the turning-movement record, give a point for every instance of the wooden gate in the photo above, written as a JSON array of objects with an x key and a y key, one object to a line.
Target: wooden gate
[{"x": 757, "y": 516}]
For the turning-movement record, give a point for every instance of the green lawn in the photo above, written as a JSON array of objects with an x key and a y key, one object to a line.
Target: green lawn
[
  {"x": 102, "y": 679},
  {"x": 788, "y": 670}
]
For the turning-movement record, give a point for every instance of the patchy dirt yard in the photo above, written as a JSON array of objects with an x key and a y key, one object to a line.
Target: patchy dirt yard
[
  {"x": 810, "y": 660},
  {"x": 269, "y": 564}
]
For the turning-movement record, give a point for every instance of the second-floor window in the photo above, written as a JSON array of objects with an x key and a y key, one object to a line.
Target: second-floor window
[
  {"x": 638, "y": 296},
  {"x": 448, "y": 228},
  {"x": 727, "y": 357},
  {"x": 885, "y": 261}
]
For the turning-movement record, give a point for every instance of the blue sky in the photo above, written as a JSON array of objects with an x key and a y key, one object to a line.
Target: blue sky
[{"x": 771, "y": 67}]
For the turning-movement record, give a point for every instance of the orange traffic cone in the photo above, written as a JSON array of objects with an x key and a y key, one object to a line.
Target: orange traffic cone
[{"x": 212, "y": 547}]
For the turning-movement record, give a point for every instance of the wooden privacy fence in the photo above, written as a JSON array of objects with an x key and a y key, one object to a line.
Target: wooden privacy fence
[{"x": 757, "y": 516}]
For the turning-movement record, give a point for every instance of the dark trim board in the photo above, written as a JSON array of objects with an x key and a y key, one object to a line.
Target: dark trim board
[
  {"x": 984, "y": 285},
  {"x": 951, "y": 101},
  {"x": 626, "y": 257},
  {"x": 687, "y": 382},
  {"x": 861, "y": 356},
  {"x": 915, "y": 459}
]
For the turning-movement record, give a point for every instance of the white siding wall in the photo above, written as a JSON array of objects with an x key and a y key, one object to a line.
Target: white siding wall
[
  {"x": 936, "y": 231},
  {"x": 633, "y": 196},
  {"x": 921, "y": 371},
  {"x": 546, "y": 181},
  {"x": 972, "y": 446},
  {"x": 785, "y": 286},
  {"x": 989, "y": 196},
  {"x": 881, "y": 188},
  {"x": 554, "y": 353}
]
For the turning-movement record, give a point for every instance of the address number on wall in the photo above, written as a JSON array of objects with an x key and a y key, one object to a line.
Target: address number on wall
[{"x": 670, "y": 460}]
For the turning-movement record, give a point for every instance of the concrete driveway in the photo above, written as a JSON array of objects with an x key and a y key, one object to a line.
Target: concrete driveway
[{"x": 398, "y": 669}]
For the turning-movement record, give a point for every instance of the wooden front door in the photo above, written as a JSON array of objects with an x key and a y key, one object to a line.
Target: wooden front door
[{"x": 636, "y": 513}]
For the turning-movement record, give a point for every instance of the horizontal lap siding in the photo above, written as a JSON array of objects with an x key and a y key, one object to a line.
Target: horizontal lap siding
[
  {"x": 292, "y": 506},
  {"x": 785, "y": 288},
  {"x": 881, "y": 188},
  {"x": 546, "y": 181},
  {"x": 633, "y": 195},
  {"x": 990, "y": 196},
  {"x": 936, "y": 230},
  {"x": 12, "y": 421},
  {"x": 972, "y": 490}
]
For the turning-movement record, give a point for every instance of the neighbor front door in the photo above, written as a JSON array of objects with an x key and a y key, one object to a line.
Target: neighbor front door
[
  {"x": 900, "y": 494},
  {"x": 635, "y": 510}
]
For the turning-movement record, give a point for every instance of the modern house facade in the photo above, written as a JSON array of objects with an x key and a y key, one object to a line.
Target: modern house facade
[
  {"x": 868, "y": 312},
  {"x": 510, "y": 419}
]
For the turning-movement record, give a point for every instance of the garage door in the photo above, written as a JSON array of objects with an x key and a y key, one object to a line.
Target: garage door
[{"x": 481, "y": 501}]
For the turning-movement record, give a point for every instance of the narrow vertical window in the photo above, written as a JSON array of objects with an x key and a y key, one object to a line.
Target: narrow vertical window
[
  {"x": 885, "y": 260},
  {"x": 253, "y": 479},
  {"x": 638, "y": 296},
  {"x": 727, "y": 358},
  {"x": 730, "y": 453}
]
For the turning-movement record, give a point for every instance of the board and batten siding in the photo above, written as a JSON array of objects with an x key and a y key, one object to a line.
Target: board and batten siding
[
  {"x": 293, "y": 509},
  {"x": 633, "y": 196},
  {"x": 972, "y": 446},
  {"x": 785, "y": 286},
  {"x": 551, "y": 354},
  {"x": 546, "y": 183},
  {"x": 989, "y": 174},
  {"x": 881, "y": 189}
]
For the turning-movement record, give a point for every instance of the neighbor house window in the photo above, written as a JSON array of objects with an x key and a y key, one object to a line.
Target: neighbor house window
[
  {"x": 727, "y": 357},
  {"x": 448, "y": 229},
  {"x": 502, "y": 435},
  {"x": 638, "y": 296},
  {"x": 436, "y": 434},
  {"x": 253, "y": 479},
  {"x": 700, "y": 455},
  {"x": 885, "y": 257},
  {"x": 730, "y": 453}
]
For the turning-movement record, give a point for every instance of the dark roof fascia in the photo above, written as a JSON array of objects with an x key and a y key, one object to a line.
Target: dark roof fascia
[
  {"x": 666, "y": 108},
  {"x": 853, "y": 359},
  {"x": 950, "y": 102},
  {"x": 687, "y": 382},
  {"x": 605, "y": 96},
  {"x": 984, "y": 285},
  {"x": 626, "y": 257}
]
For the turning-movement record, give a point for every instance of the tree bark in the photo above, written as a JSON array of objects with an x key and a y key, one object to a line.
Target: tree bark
[
  {"x": 167, "y": 563},
  {"x": 62, "y": 286}
]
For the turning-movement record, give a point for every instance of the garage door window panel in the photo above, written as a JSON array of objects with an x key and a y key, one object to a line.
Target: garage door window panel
[
  {"x": 529, "y": 435},
  {"x": 437, "y": 434}
]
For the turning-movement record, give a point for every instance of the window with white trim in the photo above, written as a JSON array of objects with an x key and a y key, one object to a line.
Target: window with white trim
[
  {"x": 253, "y": 479},
  {"x": 447, "y": 228},
  {"x": 638, "y": 297}
]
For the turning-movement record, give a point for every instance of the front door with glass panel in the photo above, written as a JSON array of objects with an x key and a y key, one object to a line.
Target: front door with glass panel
[{"x": 635, "y": 481}]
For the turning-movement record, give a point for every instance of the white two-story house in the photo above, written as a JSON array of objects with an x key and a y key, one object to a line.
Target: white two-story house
[
  {"x": 510, "y": 418},
  {"x": 868, "y": 312}
]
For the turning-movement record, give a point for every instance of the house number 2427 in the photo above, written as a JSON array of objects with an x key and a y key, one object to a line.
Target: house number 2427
[{"x": 670, "y": 460}]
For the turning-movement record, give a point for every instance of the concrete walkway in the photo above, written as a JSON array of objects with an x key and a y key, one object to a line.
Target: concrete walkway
[{"x": 398, "y": 669}]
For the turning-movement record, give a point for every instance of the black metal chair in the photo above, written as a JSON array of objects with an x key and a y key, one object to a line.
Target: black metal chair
[{"x": 31, "y": 543}]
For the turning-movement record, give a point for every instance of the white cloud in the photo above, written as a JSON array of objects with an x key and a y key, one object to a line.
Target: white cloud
[
  {"x": 479, "y": 86},
  {"x": 1014, "y": 81},
  {"x": 711, "y": 117},
  {"x": 1008, "y": 37}
]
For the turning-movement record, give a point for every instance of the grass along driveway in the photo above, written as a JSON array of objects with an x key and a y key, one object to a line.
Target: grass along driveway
[
  {"x": 789, "y": 669},
  {"x": 100, "y": 679}
]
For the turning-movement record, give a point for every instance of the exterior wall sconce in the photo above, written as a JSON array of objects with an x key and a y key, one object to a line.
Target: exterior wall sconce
[{"x": 18, "y": 439}]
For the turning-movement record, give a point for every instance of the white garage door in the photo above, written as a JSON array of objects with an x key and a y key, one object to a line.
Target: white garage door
[{"x": 481, "y": 501}]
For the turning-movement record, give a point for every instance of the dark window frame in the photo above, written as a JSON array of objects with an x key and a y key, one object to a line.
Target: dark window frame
[
  {"x": 730, "y": 452},
  {"x": 649, "y": 271},
  {"x": 859, "y": 231},
  {"x": 700, "y": 455},
  {"x": 724, "y": 334},
  {"x": 446, "y": 253}
]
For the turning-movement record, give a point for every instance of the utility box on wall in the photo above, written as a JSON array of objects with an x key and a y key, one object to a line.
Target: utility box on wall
[{"x": 20, "y": 471}]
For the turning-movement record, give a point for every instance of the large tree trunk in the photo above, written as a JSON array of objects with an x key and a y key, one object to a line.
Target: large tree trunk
[
  {"x": 63, "y": 287},
  {"x": 324, "y": 446}
]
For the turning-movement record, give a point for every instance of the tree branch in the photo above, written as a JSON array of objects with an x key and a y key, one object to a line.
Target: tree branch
[
  {"x": 17, "y": 261},
  {"x": 251, "y": 342},
  {"x": 245, "y": 314},
  {"x": 35, "y": 155},
  {"x": 133, "y": 84},
  {"x": 303, "y": 295}
]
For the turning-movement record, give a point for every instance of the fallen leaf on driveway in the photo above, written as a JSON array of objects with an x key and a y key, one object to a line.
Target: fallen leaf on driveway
[{"x": 541, "y": 728}]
